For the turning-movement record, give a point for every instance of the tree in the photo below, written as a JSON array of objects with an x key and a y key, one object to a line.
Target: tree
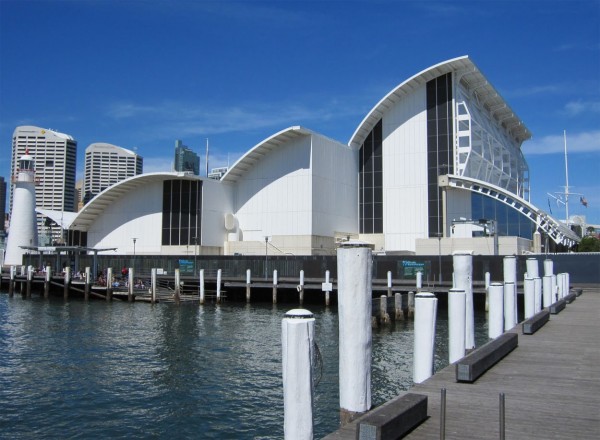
[{"x": 589, "y": 244}]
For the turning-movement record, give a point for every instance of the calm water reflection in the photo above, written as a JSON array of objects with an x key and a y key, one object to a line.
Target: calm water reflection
[{"x": 119, "y": 370}]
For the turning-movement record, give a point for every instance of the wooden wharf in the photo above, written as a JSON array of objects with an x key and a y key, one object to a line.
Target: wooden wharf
[{"x": 550, "y": 383}]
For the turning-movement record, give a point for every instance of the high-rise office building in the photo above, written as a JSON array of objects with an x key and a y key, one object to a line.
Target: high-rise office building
[
  {"x": 107, "y": 164},
  {"x": 55, "y": 156},
  {"x": 186, "y": 159}
]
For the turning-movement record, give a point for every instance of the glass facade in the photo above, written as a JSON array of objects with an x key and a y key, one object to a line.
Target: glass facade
[
  {"x": 509, "y": 222},
  {"x": 181, "y": 214},
  {"x": 440, "y": 136},
  {"x": 371, "y": 183}
]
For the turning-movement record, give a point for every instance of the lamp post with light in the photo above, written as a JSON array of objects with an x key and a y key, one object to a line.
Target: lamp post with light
[{"x": 134, "y": 240}]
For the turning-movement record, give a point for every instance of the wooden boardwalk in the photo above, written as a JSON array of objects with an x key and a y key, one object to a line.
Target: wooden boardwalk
[{"x": 551, "y": 383}]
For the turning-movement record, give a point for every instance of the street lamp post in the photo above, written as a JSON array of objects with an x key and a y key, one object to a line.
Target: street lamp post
[
  {"x": 439, "y": 235},
  {"x": 266, "y": 256},
  {"x": 134, "y": 240}
]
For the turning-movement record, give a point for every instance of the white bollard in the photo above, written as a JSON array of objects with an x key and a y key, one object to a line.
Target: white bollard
[
  {"x": 510, "y": 319},
  {"x": 425, "y": 316},
  {"x": 510, "y": 276},
  {"x": 548, "y": 267},
  {"x": 456, "y": 324},
  {"x": 218, "y": 285},
  {"x": 537, "y": 288},
  {"x": 547, "y": 291},
  {"x": 301, "y": 287},
  {"x": 567, "y": 282},
  {"x": 463, "y": 279},
  {"x": 496, "y": 314},
  {"x": 354, "y": 260},
  {"x": 153, "y": 285},
  {"x": 419, "y": 280},
  {"x": 560, "y": 284},
  {"x": 202, "y": 290},
  {"x": 533, "y": 270},
  {"x": 297, "y": 338},
  {"x": 554, "y": 289},
  {"x": 248, "y": 284},
  {"x": 389, "y": 283},
  {"x": 488, "y": 279},
  {"x": 177, "y": 285},
  {"x": 399, "y": 311},
  {"x": 529, "y": 293}
]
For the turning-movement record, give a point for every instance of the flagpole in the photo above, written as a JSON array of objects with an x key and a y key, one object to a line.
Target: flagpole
[{"x": 567, "y": 179}]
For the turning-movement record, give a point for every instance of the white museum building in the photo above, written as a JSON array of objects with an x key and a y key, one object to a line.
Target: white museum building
[{"x": 436, "y": 165}]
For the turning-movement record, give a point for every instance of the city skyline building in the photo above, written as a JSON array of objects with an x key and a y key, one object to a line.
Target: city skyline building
[
  {"x": 106, "y": 165},
  {"x": 55, "y": 156},
  {"x": 185, "y": 159}
]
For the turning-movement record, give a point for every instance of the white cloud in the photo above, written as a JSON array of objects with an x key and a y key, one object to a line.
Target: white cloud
[
  {"x": 576, "y": 143},
  {"x": 578, "y": 107}
]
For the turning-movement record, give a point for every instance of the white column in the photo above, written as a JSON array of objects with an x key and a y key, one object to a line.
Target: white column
[
  {"x": 297, "y": 340},
  {"x": 354, "y": 262},
  {"x": 463, "y": 280},
  {"x": 547, "y": 291},
  {"x": 555, "y": 296},
  {"x": 537, "y": 288},
  {"x": 487, "y": 293},
  {"x": 248, "y": 284},
  {"x": 425, "y": 316},
  {"x": 219, "y": 285},
  {"x": 533, "y": 270},
  {"x": 548, "y": 267},
  {"x": 419, "y": 280},
  {"x": 529, "y": 293},
  {"x": 153, "y": 285},
  {"x": 202, "y": 290},
  {"x": 456, "y": 324},
  {"x": 496, "y": 314},
  {"x": 510, "y": 319},
  {"x": 510, "y": 276}
]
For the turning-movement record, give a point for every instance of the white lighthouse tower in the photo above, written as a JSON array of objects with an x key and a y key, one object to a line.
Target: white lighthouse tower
[{"x": 23, "y": 223}]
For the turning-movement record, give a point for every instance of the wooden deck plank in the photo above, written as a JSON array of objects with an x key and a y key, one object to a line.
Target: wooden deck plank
[{"x": 551, "y": 382}]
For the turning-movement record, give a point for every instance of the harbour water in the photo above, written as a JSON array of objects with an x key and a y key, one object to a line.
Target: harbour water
[{"x": 132, "y": 370}]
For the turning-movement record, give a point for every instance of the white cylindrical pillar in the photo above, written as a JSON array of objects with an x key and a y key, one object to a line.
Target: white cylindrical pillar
[
  {"x": 456, "y": 324},
  {"x": 301, "y": 287},
  {"x": 248, "y": 276},
  {"x": 567, "y": 282},
  {"x": 419, "y": 280},
  {"x": 548, "y": 267},
  {"x": 399, "y": 311},
  {"x": 547, "y": 291},
  {"x": 463, "y": 280},
  {"x": 297, "y": 340},
  {"x": 537, "y": 288},
  {"x": 555, "y": 296},
  {"x": 533, "y": 270},
  {"x": 529, "y": 293},
  {"x": 496, "y": 314},
  {"x": 153, "y": 285},
  {"x": 510, "y": 269},
  {"x": 488, "y": 279},
  {"x": 248, "y": 284},
  {"x": 202, "y": 290},
  {"x": 425, "y": 316},
  {"x": 219, "y": 285},
  {"x": 510, "y": 319},
  {"x": 354, "y": 260},
  {"x": 560, "y": 284}
]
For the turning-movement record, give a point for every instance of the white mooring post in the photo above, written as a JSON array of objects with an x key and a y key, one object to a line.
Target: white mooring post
[
  {"x": 567, "y": 282},
  {"x": 510, "y": 319},
  {"x": 11, "y": 283},
  {"x": 537, "y": 289},
  {"x": 419, "y": 281},
  {"x": 109, "y": 286},
  {"x": 389, "y": 283},
  {"x": 248, "y": 284},
  {"x": 88, "y": 282},
  {"x": 411, "y": 305},
  {"x": 29, "y": 280},
  {"x": 398, "y": 307},
  {"x": 301, "y": 288},
  {"x": 496, "y": 313},
  {"x": 177, "y": 295},
  {"x": 275, "y": 286},
  {"x": 547, "y": 291},
  {"x": 510, "y": 276},
  {"x": 130, "y": 284},
  {"x": 529, "y": 293},
  {"x": 548, "y": 267},
  {"x": 463, "y": 279},
  {"x": 425, "y": 316},
  {"x": 533, "y": 268},
  {"x": 554, "y": 289},
  {"x": 327, "y": 287},
  {"x": 560, "y": 284},
  {"x": 354, "y": 260},
  {"x": 202, "y": 291},
  {"x": 153, "y": 285},
  {"x": 488, "y": 279},
  {"x": 67, "y": 280},
  {"x": 48, "y": 280},
  {"x": 297, "y": 340},
  {"x": 219, "y": 286},
  {"x": 457, "y": 300}
]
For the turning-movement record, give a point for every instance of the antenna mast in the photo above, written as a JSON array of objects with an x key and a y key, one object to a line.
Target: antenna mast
[{"x": 566, "y": 179}]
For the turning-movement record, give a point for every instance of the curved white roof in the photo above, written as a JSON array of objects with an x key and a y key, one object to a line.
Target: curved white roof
[
  {"x": 98, "y": 204},
  {"x": 248, "y": 160},
  {"x": 470, "y": 77}
]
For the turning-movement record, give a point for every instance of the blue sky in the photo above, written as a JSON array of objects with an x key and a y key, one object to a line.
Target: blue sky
[{"x": 141, "y": 74}]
